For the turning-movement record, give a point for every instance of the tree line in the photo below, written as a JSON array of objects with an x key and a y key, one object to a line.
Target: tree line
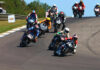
[{"x": 20, "y": 7}]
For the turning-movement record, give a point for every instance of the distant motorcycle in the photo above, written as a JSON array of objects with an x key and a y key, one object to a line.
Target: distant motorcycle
[
  {"x": 64, "y": 47},
  {"x": 97, "y": 11},
  {"x": 57, "y": 24},
  {"x": 80, "y": 11},
  {"x": 75, "y": 11},
  {"x": 27, "y": 38},
  {"x": 52, "y": 15}
]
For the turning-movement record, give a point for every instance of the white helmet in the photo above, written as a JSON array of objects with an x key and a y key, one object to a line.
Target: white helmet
[
  {"x": 97, "y": 4},
  {"x": 66, "y": 30},
  {"x": 76, "y": 2},
  {"x": 54, "y": 4}
]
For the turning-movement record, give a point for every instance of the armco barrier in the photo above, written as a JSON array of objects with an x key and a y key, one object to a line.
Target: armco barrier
[{"x": 5, "y": 16}]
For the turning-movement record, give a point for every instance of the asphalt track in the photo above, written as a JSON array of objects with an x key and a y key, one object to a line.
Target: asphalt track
[{"x": 37, "y": 57}]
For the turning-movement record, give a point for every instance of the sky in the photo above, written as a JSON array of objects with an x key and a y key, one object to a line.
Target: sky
[{"x": 66, "y": 5}]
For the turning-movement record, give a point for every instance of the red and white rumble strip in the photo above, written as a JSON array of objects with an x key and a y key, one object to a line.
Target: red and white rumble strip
[{"x": 11, "y": 31}]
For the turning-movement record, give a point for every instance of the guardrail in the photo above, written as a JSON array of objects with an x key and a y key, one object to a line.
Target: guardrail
[{"x": 4, "y": 17}]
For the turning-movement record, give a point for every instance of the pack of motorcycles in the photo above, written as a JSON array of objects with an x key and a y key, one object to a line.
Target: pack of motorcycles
[
  {"x": 59, "y": 45},
  {"x": 78, "y": 12}
]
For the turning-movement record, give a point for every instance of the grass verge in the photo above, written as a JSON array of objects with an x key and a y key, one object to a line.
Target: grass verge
[{"x": 5, "y": 26}]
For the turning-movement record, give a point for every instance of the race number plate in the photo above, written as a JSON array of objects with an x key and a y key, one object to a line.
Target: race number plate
[{"x": 30, "y": 36}]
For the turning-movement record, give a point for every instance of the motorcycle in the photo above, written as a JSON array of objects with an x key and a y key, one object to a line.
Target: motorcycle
[
  {"x": 30, "y": 23},
  {"x": 52, "y": 15},
  {"x": 55, "y": 42},
  {"x": 43, "y": 28},
  {"x": 57, "y": 24},
  {"x": 97, "y": 11},
  {"x": 27, "y": 38},
  {"x": 75, "y": 11},
  {"x": 64, "y": 47},
  {"x": 80, "y": 12}
]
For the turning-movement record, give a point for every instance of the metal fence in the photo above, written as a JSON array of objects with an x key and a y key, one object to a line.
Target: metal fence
[{"x": 4, "y": 17}]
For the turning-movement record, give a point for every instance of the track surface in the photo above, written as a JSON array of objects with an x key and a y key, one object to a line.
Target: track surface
[{"x": 37, "y": 57}]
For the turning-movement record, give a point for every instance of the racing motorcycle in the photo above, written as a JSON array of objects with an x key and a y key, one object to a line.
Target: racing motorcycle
[
  {"x": 27, "y": 38},
  {"x": 56, "y": 41},
  {"x": 57, "y": 24},
  {"x": 30, "y": 22},
  {"x": 97, "y": 11},
  {"x": 64, "y": 47},
  {"x": 75, "y": 11},
  {"x": 52, "y": 15},
  {"x": 43, "y": 28},
  {"x": 80, "y": 11}
]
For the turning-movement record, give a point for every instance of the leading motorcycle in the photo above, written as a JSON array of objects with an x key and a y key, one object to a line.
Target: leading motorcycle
[{"x": 27, "y": 38}]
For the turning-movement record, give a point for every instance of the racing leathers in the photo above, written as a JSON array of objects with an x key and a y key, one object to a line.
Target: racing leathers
[
  {"x": 34, "y": 31},
  {"x": 53, "y": 13},
  {"x": 63, "y": 19},
  {"x": 83, "y": 6},
  {"x": 47, "y": 22},
  {"x": 32, "y": 16}
]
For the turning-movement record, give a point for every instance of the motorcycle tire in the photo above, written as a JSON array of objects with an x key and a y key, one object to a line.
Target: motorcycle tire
[
  {"x": 80, "y": 16},
  {"x": 24, "y": 43},
  {"x": 55, "y": 49}
]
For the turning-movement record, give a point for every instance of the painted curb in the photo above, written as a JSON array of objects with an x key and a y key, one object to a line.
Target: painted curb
[{"x": 11, "y": 31}]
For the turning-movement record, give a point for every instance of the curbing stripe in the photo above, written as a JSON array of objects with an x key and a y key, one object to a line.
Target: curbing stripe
[{"x": 11, "y": 31}]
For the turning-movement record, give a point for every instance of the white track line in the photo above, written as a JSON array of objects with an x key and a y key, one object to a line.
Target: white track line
[{"x": 11, "y": 31}]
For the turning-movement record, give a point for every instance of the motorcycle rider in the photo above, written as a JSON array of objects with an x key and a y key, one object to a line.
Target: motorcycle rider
[
  {"x": 53, "y": 9},
  {"x": 35, "y": 31},
  {"x": 74, "y": 38},
  {"x": 53, "y": 12},
  {"x": 47, "y": 21},
  {"x": 75, "y": 5},
  {"x": 63, "y": 19},
  {"x": 33, "y": 16},
  {"x": 57, "y": 36},
  {"x": 97, "y": 5},
  {"x": 81, "y": 4}
]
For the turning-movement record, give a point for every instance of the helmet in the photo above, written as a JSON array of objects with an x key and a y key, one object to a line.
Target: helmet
[
  {"x": 75, "y": 37},
  {"x": 61, "y": 12},
  {"x": 48, "y": 19},
  {"x": 66, "y": 30},
  {"x": 33, "y": 11},
  {"x": 76, "y": 2},
  {"x": 81, "y": 0},
  {"x": 54, "y": 4},
  {"x": 61, "y": 31},
  {"x": 97, "y": 4}
]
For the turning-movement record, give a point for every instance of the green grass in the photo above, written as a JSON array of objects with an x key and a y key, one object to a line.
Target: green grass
[{"x": 5, "y": 26}]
